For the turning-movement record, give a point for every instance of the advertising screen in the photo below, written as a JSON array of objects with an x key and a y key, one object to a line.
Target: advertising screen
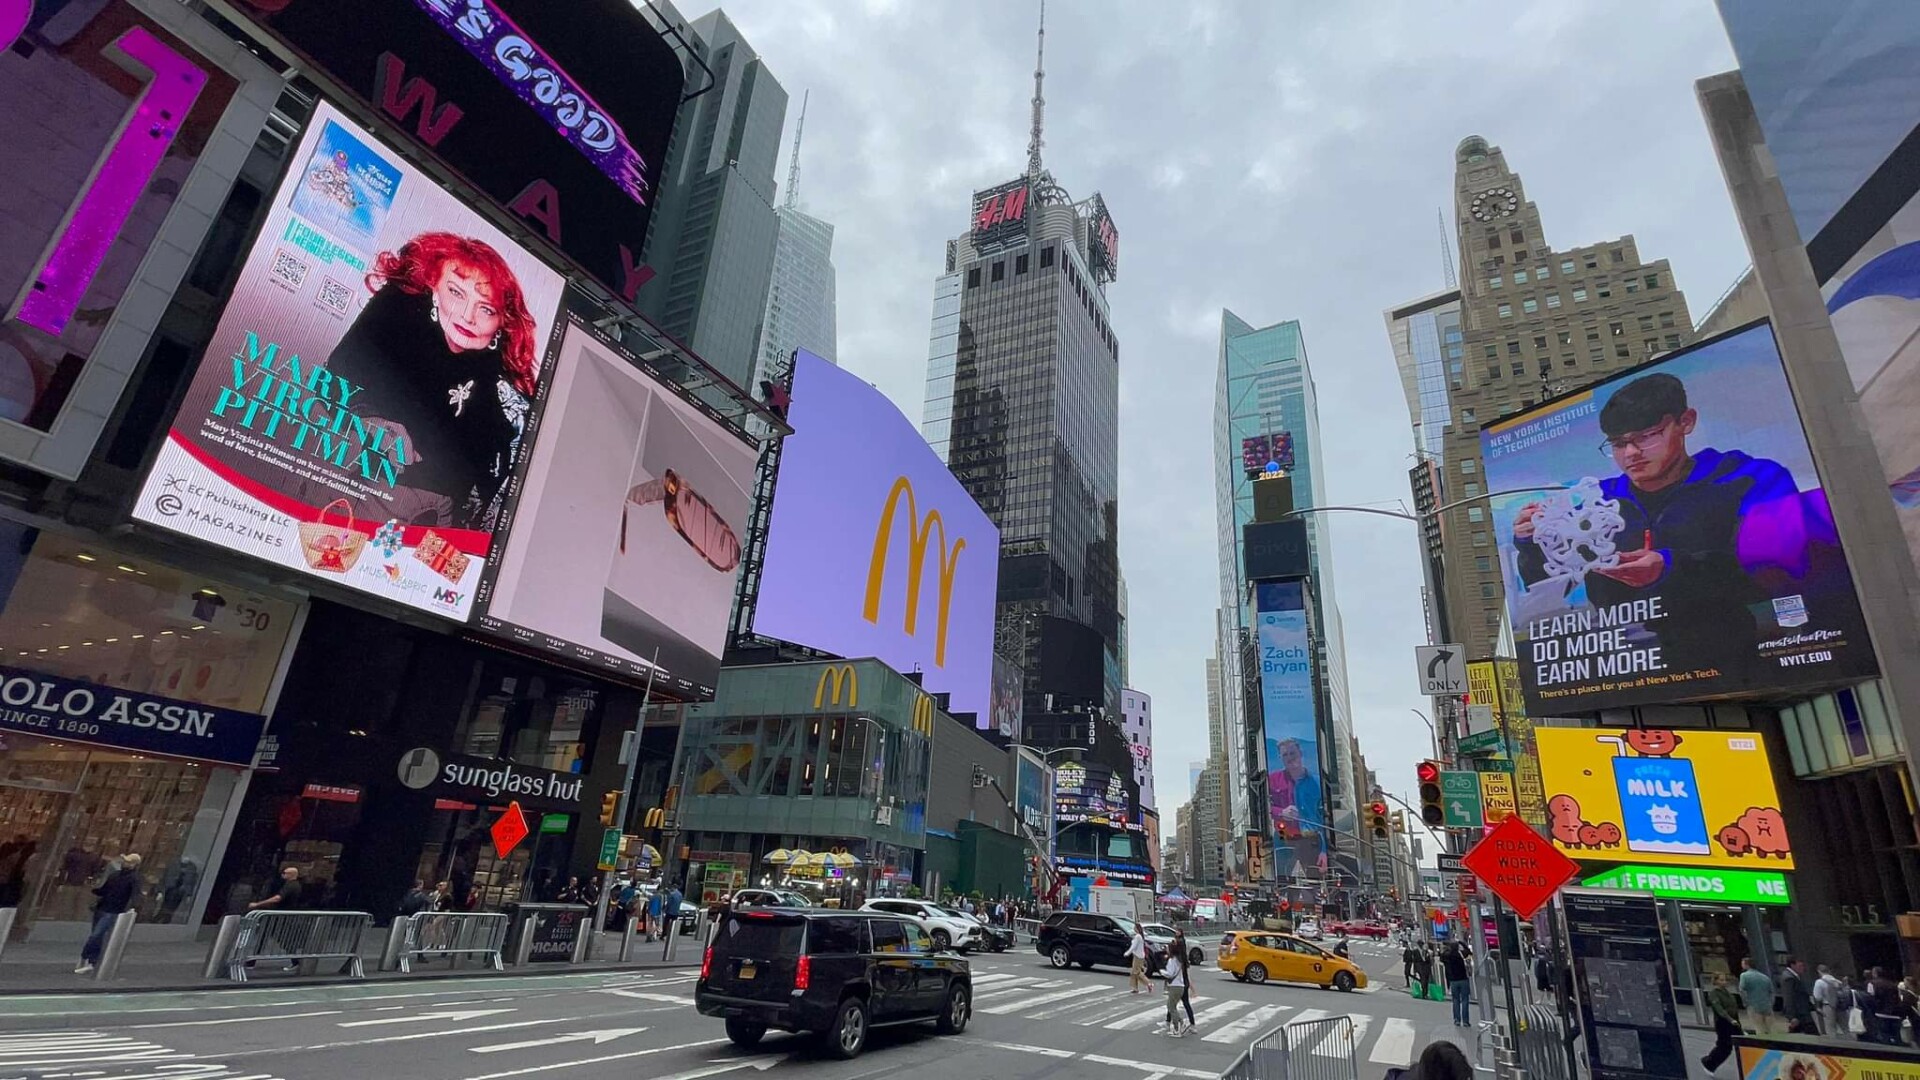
[
  {"x": 628, "y": 523},
  {"x": 1298, "y": 801},
  {"x": 873, "y": 548},
  {"x": 1032, "y": 795},
  {"x": 1009, "y": 690},
  {"x": 1690, "y": 798},
  {"x": 102, "y": 181},
  {"x": 360, "y": 408},
  {"x": 558, "y": 112},
  {"x": 1664, "y": 536}
]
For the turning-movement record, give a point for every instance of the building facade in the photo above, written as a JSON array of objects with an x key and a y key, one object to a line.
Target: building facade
[
  {"x": 1535, "y": 322},
  {"x": 1264, "y": 391},
  {"x": 712, "y": 244},
  {"x": 1136, "y": 711},
  {"x": 800, "y": 293}
]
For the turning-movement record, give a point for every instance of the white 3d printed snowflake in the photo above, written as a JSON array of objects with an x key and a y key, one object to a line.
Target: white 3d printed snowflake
[{"x": 1575, "y": 528}]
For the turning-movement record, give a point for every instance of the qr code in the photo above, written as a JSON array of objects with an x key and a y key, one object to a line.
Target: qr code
[
  {"x": 335, "y": 296},
  {"x": 289, "y": 269}
]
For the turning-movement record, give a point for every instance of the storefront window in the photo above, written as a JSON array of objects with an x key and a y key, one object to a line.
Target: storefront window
[
  {"x": 528, "y": 719},
  {"x": 83, "y": 611}
]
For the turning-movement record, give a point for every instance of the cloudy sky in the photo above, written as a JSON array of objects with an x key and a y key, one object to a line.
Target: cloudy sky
[{"x": 1281, "y": 159}]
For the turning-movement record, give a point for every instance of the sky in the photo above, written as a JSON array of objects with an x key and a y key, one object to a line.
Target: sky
[{"x": 1284, "y": 160}]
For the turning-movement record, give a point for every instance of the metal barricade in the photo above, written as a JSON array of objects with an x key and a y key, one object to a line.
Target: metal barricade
[
  {"x": 452, "y": 934},
  {"x": 294, "y": 937},
  {"x": 1028, "y": 927},
  {"x": 1324, "y": 1049},
  {"x": 1543, "y": 1045}
]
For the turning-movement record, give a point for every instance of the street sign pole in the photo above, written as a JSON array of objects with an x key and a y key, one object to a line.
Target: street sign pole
[{"x": 1506, "y": 975}]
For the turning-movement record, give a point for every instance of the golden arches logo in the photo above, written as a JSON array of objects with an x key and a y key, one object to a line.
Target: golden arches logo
[
  {"x": 919, "y": 530},
  {"x": 841, "y": 675},
  {"x": 923, "y": 715}
]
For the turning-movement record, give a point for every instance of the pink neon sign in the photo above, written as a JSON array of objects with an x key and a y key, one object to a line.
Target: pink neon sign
[{"x": 122, "y": 174}]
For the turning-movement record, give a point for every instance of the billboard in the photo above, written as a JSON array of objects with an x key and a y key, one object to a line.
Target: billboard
[
  {"x": 1103, "y": 240},
  {"x": 104, "y": 181},
  {"x": 1033, "y": 796},
  {"x": 1684, "y": 798},
  {"x": 1257, "y": 451},
  {"x": 873, "y": 548},
  {"x": 359, "y": 410},
  {"x": 1136, "y": 712},
  {"x": 558, "y": 112},
  {"x": 628, "y": 522},
  {"x": 1009, "y": 699},
  {"x": 1294, "y": 784},
  {"x": 1000, "y": 213},
  {"x": 1664, "y": 536}
]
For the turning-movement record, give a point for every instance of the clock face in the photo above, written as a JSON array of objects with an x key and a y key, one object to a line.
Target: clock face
[{"x": 1495, "y": 203}]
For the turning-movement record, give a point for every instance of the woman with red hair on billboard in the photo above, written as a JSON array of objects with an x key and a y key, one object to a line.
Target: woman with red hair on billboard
[{"x": 444, "y": 356}]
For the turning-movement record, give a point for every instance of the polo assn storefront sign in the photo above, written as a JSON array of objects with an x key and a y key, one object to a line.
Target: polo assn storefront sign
[{"x": 85, "y": 712}]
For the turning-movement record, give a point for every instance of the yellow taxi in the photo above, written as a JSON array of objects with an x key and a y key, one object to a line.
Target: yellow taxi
[{"x": 1256, "y": 956}]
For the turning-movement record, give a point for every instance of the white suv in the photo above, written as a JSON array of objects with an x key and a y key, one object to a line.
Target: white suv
[{"x": 947, "y": 931}]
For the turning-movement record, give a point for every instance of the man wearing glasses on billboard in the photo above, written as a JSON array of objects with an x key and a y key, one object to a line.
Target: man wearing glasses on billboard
[{"x": 1695, "y": 523}]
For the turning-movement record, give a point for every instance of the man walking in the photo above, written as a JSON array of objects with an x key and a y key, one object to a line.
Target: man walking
[
  {"x": 1459, "y": 984},
  {"x": 116, "y": 895},
  {"x": 1826, "y": 1001},
  {"x": 1137, "y": 961},
  {"x": 1410, "y": 959},
  {"x": 1756, "y": 1000},
  {"x": 1796, "y": 999}
]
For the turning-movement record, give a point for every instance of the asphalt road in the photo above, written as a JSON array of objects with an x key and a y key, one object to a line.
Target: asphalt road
[{"x": 1029, "y": 1022}]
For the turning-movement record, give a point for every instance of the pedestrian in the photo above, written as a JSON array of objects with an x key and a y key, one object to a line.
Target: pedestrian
[
  {"x": 1179, "y": 947},
  {"x": 1756, "y": 997},
  {"x": 569, "y": 893},
  {"x": 1410, "y": 959},
  {"x": 1459, "y": 986},
  {"x": 417, "y": 900},
  {"x": 1442, "y": 1060},
  {"x": 442, "y": 896},
  {"x": 113, "y": 897},
  {"x": 1910, "y": 1004},
  {"x": 1726, "y": 1022},
  {"x": 1887, "y": 1017},
  {"x": 285, "y": 896},
  {"x": 1826, "y": 1001},
  {"x": 1796, "y": 999},
  {"x": 1137, "y": 961},
  {"x": 1176, "y": 972},
  {"x": 1542, "y": 972}
]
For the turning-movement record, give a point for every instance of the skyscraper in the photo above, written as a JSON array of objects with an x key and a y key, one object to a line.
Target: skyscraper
[
  {"x": 1264, "y": 388},
  {"x": 1023, "y": 403},
  {"x": 1534, "y": 322},
  {"x": 800, "y": 296},
  {"x": 713, "y": 234}
]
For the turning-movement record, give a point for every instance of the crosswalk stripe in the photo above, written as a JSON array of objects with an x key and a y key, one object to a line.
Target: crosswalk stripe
[
  {"x": 1339, "y": 1044},
  {"x": 1394, "y": 1047},
  {"x": 1147, "y": 1018},
  {"x": 1019, "y": 986},
  {"x": 1254, "y": 1023},
  {"x": 1067, "y": 1007},
  {"x": 992, "y": 977},
  {"x": 1218, "y": 1010},
  {"x": 1044, "y": 999}
]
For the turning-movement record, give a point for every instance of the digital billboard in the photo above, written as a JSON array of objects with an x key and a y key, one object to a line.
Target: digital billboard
[
  {"x": 1664, "y": 536},
  {"x": 1700, "y": 797},
  {"x": 628, "y": 523},
  {"x": 1000, "y": 213},
  {"x": 1033, "y": 792},
  {"x": 558, "y": 112},
  {"x": 1009, "y": 699},
  {"x": 1294, "y": 784},
  {"x": 873, "y": 548},
  {"x": 102, "y": 181},
  {"x": 1136, "y": 712},
  {"x": 359, "y": 410}
]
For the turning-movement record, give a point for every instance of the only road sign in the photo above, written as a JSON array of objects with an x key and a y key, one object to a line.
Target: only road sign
[
  {"x": 1442, "y": 669},
  {"x": 1460, "y": 796},
  {"x": 1520, "y": 866},
  {"x": 1449, "y": 863}
]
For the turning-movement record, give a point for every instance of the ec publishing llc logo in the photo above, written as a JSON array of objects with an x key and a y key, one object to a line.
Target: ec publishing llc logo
[{"x": 167, "y": 504}]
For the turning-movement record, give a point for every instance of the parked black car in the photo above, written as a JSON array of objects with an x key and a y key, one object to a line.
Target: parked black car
[
  {"x": 837, "y": 974},
  {"x": 1076, "y": 937},
  {"x": 993, "y": 938}
]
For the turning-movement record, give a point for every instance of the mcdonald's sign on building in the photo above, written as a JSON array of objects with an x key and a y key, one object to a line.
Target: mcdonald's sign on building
[{"x": 873, "y": 548}]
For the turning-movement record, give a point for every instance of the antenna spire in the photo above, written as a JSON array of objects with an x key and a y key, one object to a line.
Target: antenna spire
[
  {"x": 793, "y": 167},
  {"x": 1446, "y": 251},
  {"x": 1039, "y": 101}
]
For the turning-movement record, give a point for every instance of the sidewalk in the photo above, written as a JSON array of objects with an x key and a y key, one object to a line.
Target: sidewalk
[{"x": 47, "y": 968}]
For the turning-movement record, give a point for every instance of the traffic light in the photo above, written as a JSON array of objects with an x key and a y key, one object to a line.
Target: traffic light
[
  {"x": 1377, "y": 820},
  {"x": 1398, "y": 819},
  {"x": 609, "y": 808},
  {"x": 1431, "y": 809}
]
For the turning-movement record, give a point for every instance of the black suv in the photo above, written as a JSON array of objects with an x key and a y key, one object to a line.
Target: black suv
[
  {"x": 1076, "y": 937},
  {"x": 837, "y": 974}
]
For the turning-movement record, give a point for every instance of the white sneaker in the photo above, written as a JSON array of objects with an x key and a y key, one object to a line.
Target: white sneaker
[{"x": 83, "y": 969}]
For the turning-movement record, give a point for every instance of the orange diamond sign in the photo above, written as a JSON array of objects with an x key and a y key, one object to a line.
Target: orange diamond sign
[
  {"x": 1519, "y": 865},
  {"x": 511, "y": 828}
]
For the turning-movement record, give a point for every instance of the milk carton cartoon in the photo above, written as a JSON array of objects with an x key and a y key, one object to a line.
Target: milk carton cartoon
[{"x": 1660, "y": 805}]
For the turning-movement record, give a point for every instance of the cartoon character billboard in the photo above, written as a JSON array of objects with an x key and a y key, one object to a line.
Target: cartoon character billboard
[{"x": 1690, "y": 798}]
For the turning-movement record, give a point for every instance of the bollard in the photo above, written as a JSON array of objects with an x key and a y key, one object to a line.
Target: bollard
[
  {"x": 222, "y": 945},
  {"x": 396, "y": 943},
  {"x": 583, "y": 943},
  {"x": 6, "y": 926},
  {"x": 667, "y": 928},
  {"x": 627, "y": 932},
  {"x": 523, "y": 948},
  {"x": 116, "y": 946}
]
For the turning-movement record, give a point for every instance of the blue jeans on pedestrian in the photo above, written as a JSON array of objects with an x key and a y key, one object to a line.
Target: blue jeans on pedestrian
[
  {"x": 97, "y": 940},
  {"x": 1462, "y": 992}
]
